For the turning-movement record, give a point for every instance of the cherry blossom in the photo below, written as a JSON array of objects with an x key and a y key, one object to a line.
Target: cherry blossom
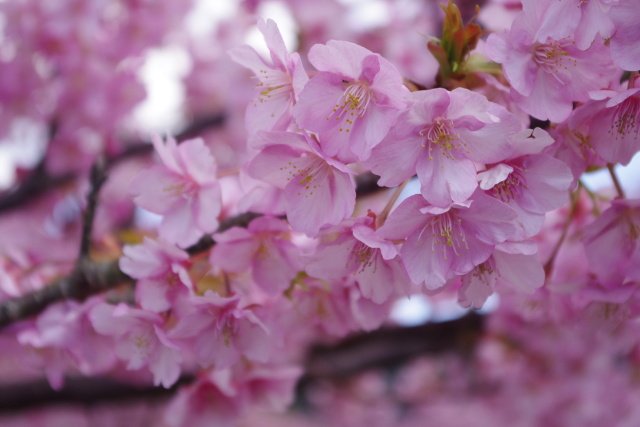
[
  {"x": 220, "y": 331},
  {"x": 318, "y": 190},
  {"x": 352, "y": 101},
  {"x": 160, "y": 268},
  {"x": 442, "y": 243},
  {"x": 134, "y": 283},
  {"x": 614, "y": 125},
  {"x": 358, "y": 251},
  {"x": 440, "y": 137},
  {"x": 184, "y": 190},
  {"x": 280, "y": 81},
  {"x": 624, "y": 43},
  {"x": 547, "y": 72},
  {"x": 140, "y": 339},
  {"x": 531, "y": 183},
  {"x": 265, "y": 248},
  {"x": 611, "y": 243}
]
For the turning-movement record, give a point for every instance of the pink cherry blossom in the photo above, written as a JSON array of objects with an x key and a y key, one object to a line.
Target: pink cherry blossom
[
  {"x": 584, "y": 20},
  {"x": 324, "y": 306},
  {"x": 512, "y": 263},
  {"x": 442, "y": 243},
  {"x": 531, "y": 183},
  {"x": 184, "y": 189},
  {"x": 265, "y": 248},
  {"x": 160, "y": 268},
  {"x": 210, "y": 399},
  {"x": 352, "y": 102},
  {"x": 545, "y": 68},
  {"x": 140, "y": 339},
  {"x": 612, "y": 243},
  {"x": 63, "y": 338},
  {"x": 220, "y": 396},
  {"x": 573, "y": 144},
  {"x": 318, "y": 191},
  {"x": 625, "y": 43},
  {"x": 615, "y": 124},
  {"x": 441, "y": 136},
  {"x": 280, "y": 81},
  {"x": 220, "y": 331},
  {"x": 357, "y": 251}
]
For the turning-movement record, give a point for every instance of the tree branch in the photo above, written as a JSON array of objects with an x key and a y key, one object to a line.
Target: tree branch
[
  {"x": 97, "y": 178},
  {"x": 384, "y": 348},
  {"x": 79, "y": 391},
  {"x": 392, "y": 346},
  {"x": 91, "y": 277}
]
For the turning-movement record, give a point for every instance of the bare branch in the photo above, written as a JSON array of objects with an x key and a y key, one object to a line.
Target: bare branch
[
  {"x": 393, "y": 346},
  {"x": 97, "y": 178}
]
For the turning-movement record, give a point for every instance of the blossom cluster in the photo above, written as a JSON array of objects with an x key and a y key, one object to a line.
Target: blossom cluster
[{"x": 497, "y": 152}]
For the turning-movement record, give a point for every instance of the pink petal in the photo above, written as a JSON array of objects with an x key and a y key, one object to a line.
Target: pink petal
[{"x": 444, "y": 181}]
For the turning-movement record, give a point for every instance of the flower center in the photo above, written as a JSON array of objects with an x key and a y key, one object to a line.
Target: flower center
[
  {"x": 361, "y": 255},
  {"x": 185, "y": 189},
  {"x": 273, "y": 83},
  {"x": 441, "y": 135},
  {"x": 633, "y": 229},
  {"x": 553, "y": 57},
  {"x": 448, "y": 234},
  {"x": 309, "y": 171},
  {"x": 484, "y": 273},
  {"x": 352, "y": 104},
  {"x": 510, "y": 188},
  {"x": 625, "y": 118}
]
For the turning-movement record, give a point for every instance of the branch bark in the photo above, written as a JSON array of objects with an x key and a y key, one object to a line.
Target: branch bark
[{"x": 384, "y": 348}]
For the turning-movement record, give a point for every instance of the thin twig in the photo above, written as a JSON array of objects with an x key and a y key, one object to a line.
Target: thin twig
[
  {"x": 615, "y": 180},
  {"x": 565, "y": 229},
  {"x": 97, "y": 178}
]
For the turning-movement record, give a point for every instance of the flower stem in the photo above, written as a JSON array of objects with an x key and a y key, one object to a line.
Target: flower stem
[
  {"x": 615, "y": 180},
  {"x": 380, "y": 219},
  {"x": 565, "y": 229},
  {"x": 632, "y": 79}
]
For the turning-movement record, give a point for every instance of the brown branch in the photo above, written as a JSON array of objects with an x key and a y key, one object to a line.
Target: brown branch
[
  {"x": 384, "y": 348},
  {"x": 80, "y": 391},
  {"x": 392, "y": 346},
  {"x": 90, "y": 278},
  {"x": 97, "y": 178}
]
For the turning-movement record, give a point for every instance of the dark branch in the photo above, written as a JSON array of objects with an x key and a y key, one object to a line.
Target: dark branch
[
  {"x": 392, "y": 346},
  {"x": 97, "y": 178},
  {"x": 87, "y": 279},
  {"x": 384, "y": 348},
  {"x": 79, "y": 391},
  {"x": 90, "y": 278}
]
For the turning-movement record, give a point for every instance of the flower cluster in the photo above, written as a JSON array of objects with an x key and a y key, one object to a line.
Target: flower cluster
[{"x": 496, "y": 143}]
